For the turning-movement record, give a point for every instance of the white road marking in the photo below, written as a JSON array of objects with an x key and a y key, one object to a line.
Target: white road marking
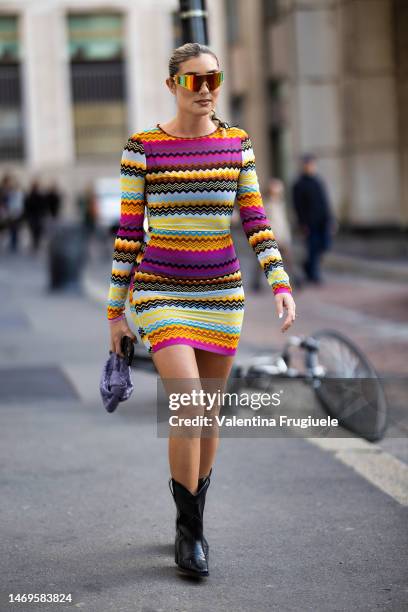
[{"x": 372, "y": 463}]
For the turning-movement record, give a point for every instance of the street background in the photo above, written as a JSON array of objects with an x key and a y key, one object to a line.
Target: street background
[{"x": 293, "y": 524}]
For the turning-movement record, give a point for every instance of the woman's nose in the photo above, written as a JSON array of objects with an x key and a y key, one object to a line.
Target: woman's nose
[{"x": 204, "y": 87}]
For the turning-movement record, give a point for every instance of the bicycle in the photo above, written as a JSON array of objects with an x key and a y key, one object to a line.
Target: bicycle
[
  {"x": 329, "y": 357},
  {"x": 331, "y": 362}
]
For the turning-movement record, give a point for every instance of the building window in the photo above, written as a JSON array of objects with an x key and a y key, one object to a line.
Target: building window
[
  {"x": 271, "y": 10},
  {"x": 232, "y": 19},
  {"x": 11, "y": 115},
  {"x": 98, "y": 83}
]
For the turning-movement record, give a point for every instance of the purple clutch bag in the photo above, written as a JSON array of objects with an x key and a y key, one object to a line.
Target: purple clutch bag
[{"x": 116, "y": 383}]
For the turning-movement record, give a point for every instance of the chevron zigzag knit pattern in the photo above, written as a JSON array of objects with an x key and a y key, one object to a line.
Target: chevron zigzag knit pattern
[{"x": 183, "y": 277}]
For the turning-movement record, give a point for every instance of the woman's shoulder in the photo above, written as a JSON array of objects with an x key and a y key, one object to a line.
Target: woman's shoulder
[
  {"x": 143, "y": 135},
  {"x": 234, "y": 131}
]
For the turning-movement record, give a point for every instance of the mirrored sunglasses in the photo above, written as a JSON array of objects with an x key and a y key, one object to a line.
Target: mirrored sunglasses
[{"x": 193, "y": 82}]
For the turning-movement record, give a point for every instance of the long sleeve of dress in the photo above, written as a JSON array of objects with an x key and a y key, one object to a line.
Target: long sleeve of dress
[
  {"x": 256, "y": 224},
  {"x": 130, "y": 234}
]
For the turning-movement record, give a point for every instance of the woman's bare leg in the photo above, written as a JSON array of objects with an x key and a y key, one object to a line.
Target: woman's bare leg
[
  {"x": 179, "y": 362},
  {"x": 216, "y": 367}
]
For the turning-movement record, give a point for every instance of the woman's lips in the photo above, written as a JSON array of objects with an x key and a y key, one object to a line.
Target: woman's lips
[{"x": 203, "y": 102}]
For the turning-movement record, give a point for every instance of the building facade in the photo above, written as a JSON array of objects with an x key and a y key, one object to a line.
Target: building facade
[
  {"x": 77, "y": 77},
  {"x": 327, "y": 76}
]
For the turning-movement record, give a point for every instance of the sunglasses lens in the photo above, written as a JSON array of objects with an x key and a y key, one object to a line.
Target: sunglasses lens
[
  {"x": 193, "y": 82},
  {"x": 214, "y": 80}
]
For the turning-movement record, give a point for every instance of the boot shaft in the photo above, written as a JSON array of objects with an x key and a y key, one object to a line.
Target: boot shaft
[
  {"x": 190, "y": 507},
  {"x": 191, "y": 548}
]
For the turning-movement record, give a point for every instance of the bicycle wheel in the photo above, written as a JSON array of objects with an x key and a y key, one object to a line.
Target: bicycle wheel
[{"x": 350, "y": 389}]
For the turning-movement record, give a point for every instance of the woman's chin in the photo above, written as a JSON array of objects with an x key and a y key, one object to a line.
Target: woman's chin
[{"x": 201, "y": 111}]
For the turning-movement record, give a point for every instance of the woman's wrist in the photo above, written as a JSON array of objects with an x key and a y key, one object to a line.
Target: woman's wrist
[
  {"x": 119, "y": 318},
  {"x": 282, "y": 290}
]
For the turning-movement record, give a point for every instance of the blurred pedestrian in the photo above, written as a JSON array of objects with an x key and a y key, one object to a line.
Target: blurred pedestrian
[
  {"x": 16, "y": 213},
  {"x": 4, "y": 203},
  {"x": 12, "y": 205},
  {"x": 275, "y": 208},
  {"x": 314, "y": 215},
  {"x": 87, "y": 209},
  {"x": 53, "y": 200},
  {"x": 35, "y": 207},
  {"x": 3, "y": 200}
]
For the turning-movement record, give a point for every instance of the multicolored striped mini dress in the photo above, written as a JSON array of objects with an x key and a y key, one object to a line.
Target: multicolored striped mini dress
[{"x": 182, "y": 276}]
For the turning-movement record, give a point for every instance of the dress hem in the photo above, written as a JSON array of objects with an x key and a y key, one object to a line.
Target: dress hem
[{"x": 195, "y": 344}]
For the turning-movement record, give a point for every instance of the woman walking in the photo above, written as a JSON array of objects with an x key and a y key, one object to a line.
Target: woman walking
[{"x": 184, "y": 282}]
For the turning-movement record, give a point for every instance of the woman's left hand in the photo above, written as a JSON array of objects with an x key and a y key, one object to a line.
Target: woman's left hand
[{"x": 285, "y": 300}]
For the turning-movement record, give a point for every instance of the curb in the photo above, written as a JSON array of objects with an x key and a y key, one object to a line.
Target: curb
[{"x": 369, "y": 268}]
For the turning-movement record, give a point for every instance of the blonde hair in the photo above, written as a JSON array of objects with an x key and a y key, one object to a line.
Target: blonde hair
[{"x": 186, "y": 52}]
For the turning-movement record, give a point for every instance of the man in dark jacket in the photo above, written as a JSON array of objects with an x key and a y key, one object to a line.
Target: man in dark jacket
[
  {"x": 314, "y": 215},
  {"x": 35, "y": 211}
]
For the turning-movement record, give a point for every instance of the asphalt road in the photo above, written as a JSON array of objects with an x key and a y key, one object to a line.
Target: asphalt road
[{"x": 293, "y": 524}]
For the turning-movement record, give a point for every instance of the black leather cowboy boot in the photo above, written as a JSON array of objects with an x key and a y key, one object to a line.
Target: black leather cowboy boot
[
  {"x": 189, "y": 552},
  {"x": 202, "y": 501}
]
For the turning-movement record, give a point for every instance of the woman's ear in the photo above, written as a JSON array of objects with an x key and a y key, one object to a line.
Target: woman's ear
[{"x": 171, "y": 85}]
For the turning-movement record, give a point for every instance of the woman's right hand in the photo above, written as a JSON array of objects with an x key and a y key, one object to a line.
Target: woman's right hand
[{"x": 118, "y": 329}]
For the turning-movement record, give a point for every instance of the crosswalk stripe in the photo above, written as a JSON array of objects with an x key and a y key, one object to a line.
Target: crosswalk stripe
[{"x": 372, "y": 463}]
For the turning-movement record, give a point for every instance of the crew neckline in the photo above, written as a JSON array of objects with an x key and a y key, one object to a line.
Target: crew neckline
[{"x": 187, "y": 137}]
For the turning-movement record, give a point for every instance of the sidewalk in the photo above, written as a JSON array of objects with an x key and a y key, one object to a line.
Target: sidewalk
[
  {"x": 379, "y": 255},
  {"x": 342, "y": 259},
  {"x": 86, "y": 507}
]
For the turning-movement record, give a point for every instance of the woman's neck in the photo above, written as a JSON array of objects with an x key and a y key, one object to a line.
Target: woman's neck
[{"x": 189, "y": 125}]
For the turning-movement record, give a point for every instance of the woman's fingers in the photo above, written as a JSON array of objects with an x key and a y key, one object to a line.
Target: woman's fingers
[
  {"x": 286, "y": 300},
  {"x": 118, "y": 330},
  {"x": 288, "y": 322},
  {"x": 118, "y": 349},
  {"x": 115, "y": 342}
]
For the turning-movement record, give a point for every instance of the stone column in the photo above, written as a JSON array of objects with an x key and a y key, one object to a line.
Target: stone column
[
  {"x": 149, "y": 44},
  {"x": 46, "y": 87},
  {"x": 315, "y": 94},
  {"x": 217, "y": 42},
  {"x": 253, "y": 73},
  {"x": 370, "y": 113}
]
